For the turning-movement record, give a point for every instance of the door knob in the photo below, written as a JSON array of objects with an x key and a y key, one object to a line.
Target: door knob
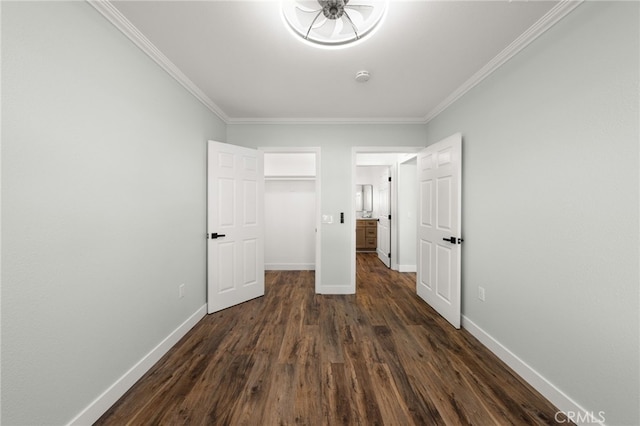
[
  {"x": 453, "y": 240},
  {"x": 215, "y": 235}
]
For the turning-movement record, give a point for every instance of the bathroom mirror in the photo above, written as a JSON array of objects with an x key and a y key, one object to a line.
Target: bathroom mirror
[{"x": 364, "y": 198}]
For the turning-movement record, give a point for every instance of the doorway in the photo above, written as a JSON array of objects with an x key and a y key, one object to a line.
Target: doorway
[
  {"x": 372, "y": 223},
  {"x": 390, "y": 246},
  {"x": 292, "y": 209}
]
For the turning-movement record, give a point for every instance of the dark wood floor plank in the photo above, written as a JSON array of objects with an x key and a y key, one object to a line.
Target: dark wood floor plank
[
  {"x": 330, "y": 341},
  {"x": 449, "y": 375},
  {"x": 311, "y": 307},
  {"x": 402, "y": 353},
  {"x": 251, "y": 406},
  {"x": 338, "y": 407},
  {"x": 308, "y": 406},
  {"x": 362, "y": 391},
  {"x": 213, "y": 398},
  {"x": 393, "y": 408},
  {"x": 294, "y": 335},
  {"x": 281, "y": 396},
  {"x": 293, "y": 357}
]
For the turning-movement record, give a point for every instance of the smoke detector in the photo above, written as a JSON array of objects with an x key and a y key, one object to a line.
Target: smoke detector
[{"x": 362, "y": 76}]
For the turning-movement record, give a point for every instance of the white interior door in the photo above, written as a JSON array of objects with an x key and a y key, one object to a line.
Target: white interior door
[
  {"x": 235, "y": 223},
  {"x": 384, "y": 218},
  {"x": 439, "y": 227}
]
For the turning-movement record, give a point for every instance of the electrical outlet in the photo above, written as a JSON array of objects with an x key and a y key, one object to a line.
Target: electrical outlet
[
  {"x": 180, "y": 291},
  {"x": 481, "y": 293}
]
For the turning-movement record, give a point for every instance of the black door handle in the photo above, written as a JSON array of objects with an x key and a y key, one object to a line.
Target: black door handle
[
  {"x": 453, "y": 240},
  {"x": 215, "y": 235}
]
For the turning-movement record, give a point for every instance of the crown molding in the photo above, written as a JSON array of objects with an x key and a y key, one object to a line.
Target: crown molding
[
  {"x": 559, "y": 11},
  {"x": 125, "y": 26},
  {"x": 111, "y": 13},
  {"x": 329, "y": 120}
]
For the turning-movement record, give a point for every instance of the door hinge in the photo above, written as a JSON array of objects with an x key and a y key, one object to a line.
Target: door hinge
[
  {"x": 389, "y": 217},
  {"x": 389, "y": 255},
  {"x": 389, "y": 178}
]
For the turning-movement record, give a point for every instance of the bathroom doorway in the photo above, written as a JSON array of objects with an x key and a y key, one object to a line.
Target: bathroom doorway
[{"x": 388, "y": 171}]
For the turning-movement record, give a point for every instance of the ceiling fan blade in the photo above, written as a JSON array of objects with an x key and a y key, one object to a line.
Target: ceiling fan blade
[
  {"x": 356, "y": 17},
  {"x": 355, "y": 29},
  {"x": 360, "y": 11},
  {"x": 327, "y": 28},
  {"x": 320, "y": 23},
  {"x": 337, "y": 30},
  {"x": 307, "y": 6},
  {"x": 312, "y": 22},
  {"x": 305, "y": 10}
]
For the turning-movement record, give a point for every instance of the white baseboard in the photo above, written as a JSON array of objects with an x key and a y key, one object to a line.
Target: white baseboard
[
  {"x": 290, "y": 266},
  {"x": 531, "y": 376},
  {"x": 102, "y": 403},
  {"x": 407, "y": 268},
  {"x": 336, "y": 289}
]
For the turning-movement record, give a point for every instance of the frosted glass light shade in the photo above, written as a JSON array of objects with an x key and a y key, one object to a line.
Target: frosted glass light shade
[{"x": 333, "y": 22}]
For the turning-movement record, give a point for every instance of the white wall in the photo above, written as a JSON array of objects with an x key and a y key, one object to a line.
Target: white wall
[
  {"x": 103, "y": 208},
  {"x": 407, "y": 214},
  {"x": 336, "y": 141},
  {"x": 290, "y": 222},
  {"x": 290, "y": 164},
  {"x": 550, "y": 206}
]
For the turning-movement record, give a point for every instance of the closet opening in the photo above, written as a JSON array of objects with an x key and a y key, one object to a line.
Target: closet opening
[{"x": 292, "y": 209}]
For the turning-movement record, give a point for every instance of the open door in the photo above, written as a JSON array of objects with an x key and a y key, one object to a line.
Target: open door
[
  {"x": 439, "y": 227},
  {"x": 384, "y": 218},
  {"x": 235, "y": 224}
]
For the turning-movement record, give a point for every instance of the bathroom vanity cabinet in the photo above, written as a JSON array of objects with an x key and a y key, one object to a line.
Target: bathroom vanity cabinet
[{"x": 366, "y": 234}]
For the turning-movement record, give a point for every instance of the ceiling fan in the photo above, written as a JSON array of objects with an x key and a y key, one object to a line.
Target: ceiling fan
[{"x": 333, "y": 22}]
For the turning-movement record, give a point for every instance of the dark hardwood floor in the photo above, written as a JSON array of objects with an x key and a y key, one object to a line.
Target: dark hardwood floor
[{"x": 380, "y": 357}]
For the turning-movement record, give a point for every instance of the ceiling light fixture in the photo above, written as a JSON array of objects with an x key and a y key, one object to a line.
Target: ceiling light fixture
[{"x": 333, "y": 23}]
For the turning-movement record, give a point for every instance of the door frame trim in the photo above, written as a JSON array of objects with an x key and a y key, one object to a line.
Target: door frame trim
[{"x": 407, "y": 150}]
